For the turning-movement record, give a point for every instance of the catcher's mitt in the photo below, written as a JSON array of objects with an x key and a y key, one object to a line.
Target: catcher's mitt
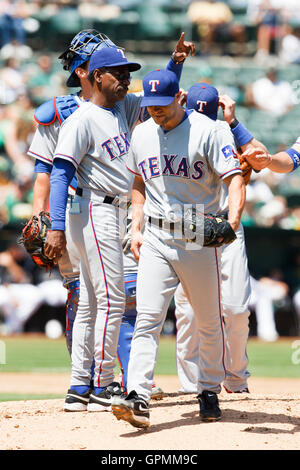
[
  {"x": 207, "y": 229},
  {"x": 33, "y": 238},
  {"x": 246, "y": 169}
]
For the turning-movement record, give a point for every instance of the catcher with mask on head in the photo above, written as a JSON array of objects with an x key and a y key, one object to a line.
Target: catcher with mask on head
[{"x": 50, "y": 116}]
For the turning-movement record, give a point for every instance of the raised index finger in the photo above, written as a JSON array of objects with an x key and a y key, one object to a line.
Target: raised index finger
[{"x": 181, "y": 40}]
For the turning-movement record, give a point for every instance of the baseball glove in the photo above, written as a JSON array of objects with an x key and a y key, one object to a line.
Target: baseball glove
[
  {"x": 246, "y": 169},
  {"x": 33, "y": 238},
  {"x": 207, "y": 229}
]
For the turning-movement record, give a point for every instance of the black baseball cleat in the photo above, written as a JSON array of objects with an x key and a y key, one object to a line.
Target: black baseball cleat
[
  {"x": 133, "y": 409},
  {"x": 75, "y": 401},
  {"x": 102, "y": 401},
  {"x": 209, "y": 406}
]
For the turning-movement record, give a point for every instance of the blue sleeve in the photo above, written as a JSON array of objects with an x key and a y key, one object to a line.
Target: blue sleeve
[
  {"x": 176, "y": 68},
  {"x": 61, "y": 176},
  {"x": 295, "y": 156},
  {"x": 241, "y": 135},
  {"x": 42, "y": 167}
]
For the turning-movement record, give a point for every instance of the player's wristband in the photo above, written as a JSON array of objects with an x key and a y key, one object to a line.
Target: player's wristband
[
  {"x": 234, "y": 123},
  {"x": 295, "y": 156},
  {"x": 241, "y": 134}
]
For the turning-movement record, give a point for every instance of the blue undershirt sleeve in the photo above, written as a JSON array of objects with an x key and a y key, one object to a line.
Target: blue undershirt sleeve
[
  {"x": 42, "y": 167},
  {"x": 176, "y": 68},
  {"x": 61, "y": 176}
]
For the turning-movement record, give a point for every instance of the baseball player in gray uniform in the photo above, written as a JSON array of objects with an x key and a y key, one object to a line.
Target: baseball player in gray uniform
[
  {"x": 236, "y": 290},
  {"x": 95, "y": 141},
  {"x": 50, "y": 116},
  {"x": 178, "y": 158}
]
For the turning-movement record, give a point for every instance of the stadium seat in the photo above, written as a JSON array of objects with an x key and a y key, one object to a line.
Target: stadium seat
[
  {"x": 67, "y": 21},
  {"x": 159, "y": 27}
]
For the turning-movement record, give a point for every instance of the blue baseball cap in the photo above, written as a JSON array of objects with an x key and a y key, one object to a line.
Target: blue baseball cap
[
  {"x": 204, "y": 98},
  {"x": 111, "y": 57},
  {"x": 160, "y": 88}
]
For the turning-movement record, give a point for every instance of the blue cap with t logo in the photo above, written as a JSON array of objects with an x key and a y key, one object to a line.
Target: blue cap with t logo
[
  {"x": 160, "y": 88},
  {"x": 204, "y": 98}
]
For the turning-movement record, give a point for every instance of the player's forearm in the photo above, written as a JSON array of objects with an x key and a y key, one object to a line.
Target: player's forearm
[
  {"x": 41, "y": 190},
  {"x": 236, "y": 199},
  {"x": 281, "y": 163},
  {"x": 138, "y": 201},
  {"x": 254, "y": 144}
]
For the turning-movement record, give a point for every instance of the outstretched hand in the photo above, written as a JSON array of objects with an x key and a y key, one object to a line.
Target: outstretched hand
[
  {"x": 257, "y": 158},
  {"x": 183, "y": 49}
]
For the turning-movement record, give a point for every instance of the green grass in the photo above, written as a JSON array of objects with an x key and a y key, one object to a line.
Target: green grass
[
  {"x": 273, "y": 359},
  {"x": 29, "y": 396},
  {"x": 40, "y": 354},
  {"x": 35, "y": 354}
]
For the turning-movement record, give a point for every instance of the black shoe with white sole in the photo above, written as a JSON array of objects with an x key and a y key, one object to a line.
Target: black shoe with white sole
[
  {"x": 102, "y": 401},
  {"x": 75, "y": 401},
  {"x": 133, "y": 409},
  {"x": 209, "y": 406}
]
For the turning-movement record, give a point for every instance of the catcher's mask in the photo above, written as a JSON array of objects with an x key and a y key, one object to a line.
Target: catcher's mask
[{"x": 80, "y": 50}]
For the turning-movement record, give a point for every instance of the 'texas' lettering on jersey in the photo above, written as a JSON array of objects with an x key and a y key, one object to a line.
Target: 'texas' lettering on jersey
[
  {"x": 117, "y": 146},
  {"x": 171, "y": 166}
]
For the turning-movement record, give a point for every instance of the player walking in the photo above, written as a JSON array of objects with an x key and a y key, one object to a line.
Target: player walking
[{"x": 178, "y": 158}]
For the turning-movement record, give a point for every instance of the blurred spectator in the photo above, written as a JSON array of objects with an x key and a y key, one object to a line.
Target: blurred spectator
[
  {"x": 22, "y": 293},
  {"x": 216, "y": 22},
  {"x": 264, "y": 293},
  {"x": 44, "y": 83},
  {"x": 271, "y": 94},
  {"x": 17, "y": 256},
  {"x": 290, "y": 46},
  {"x": 17, "y": 202},
  {"x": 17, "y": 135},
  {"x": 12, "y": 31},
  {"x": 266, "y": 15},
  {"x": 98, "y": 9},
  {"x": 17, "y": 127},
  {"x": 11, "y": 268},
  {"x": 271, "y": 213},
  {"x": 11, "y": 81},
  {"x": 11, "y": 26},
  {"x": 204, "y": 74}
]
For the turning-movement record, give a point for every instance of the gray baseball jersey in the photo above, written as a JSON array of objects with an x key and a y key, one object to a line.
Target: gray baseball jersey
[
  {"x": 96, "y": 140},
  {"x": 184, "y": 165}
]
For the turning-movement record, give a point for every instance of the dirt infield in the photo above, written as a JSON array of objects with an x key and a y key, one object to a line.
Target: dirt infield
[{"x": 268, "y": 418}]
